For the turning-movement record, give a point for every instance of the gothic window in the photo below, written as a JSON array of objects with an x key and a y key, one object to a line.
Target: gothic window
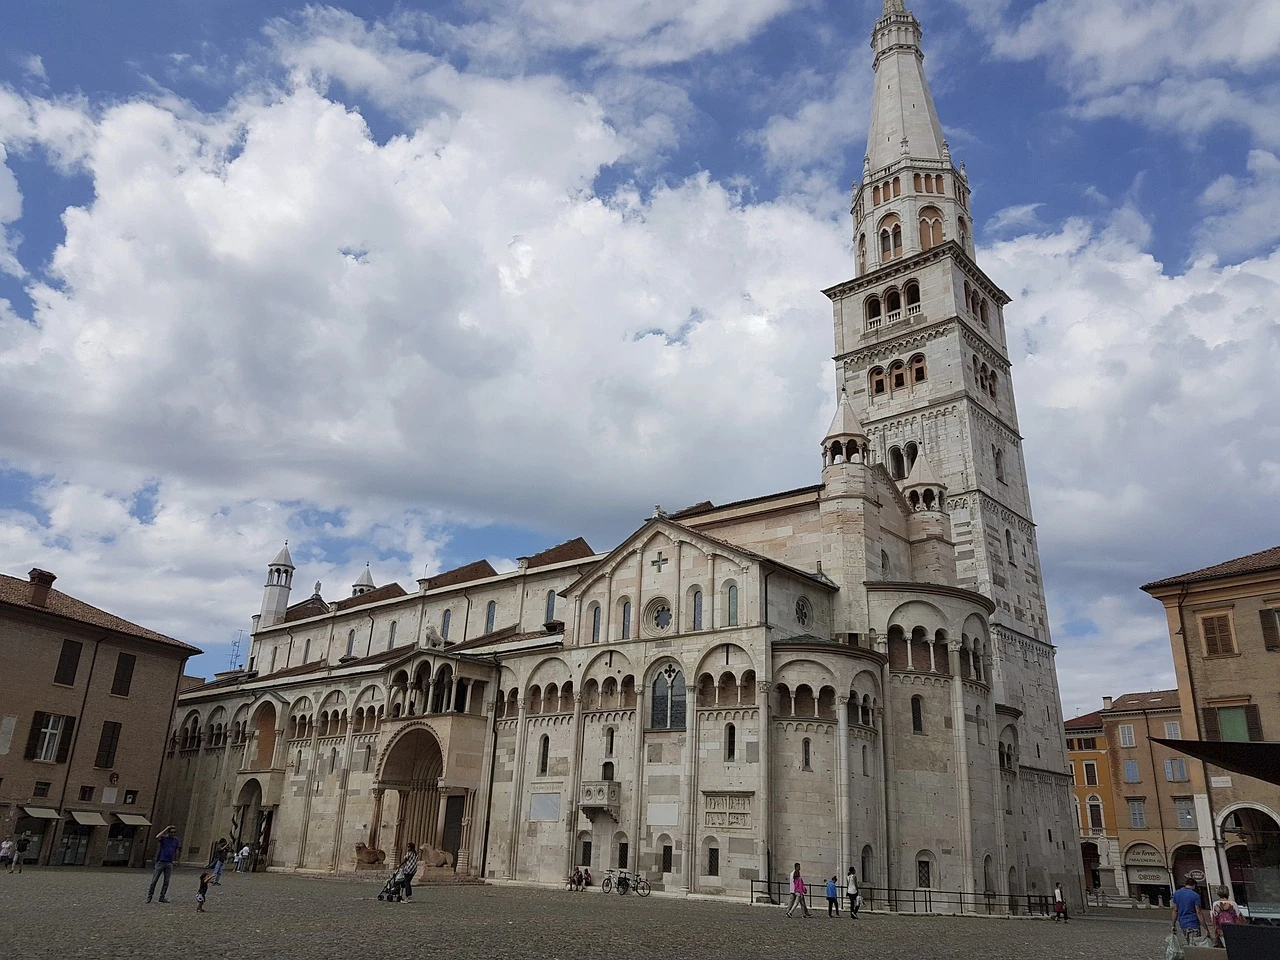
[
  {"x": 893, "y": 304},
  {"x": 909, "y": 453},
  {"x": 667, "y": 710},
  {"x": 939, "y": 185},
  {"x": 897, "y": 466},
  {"x": 898, "y": 375},
  {"x": 930, "y": 227},
  {"x": 551, "y": 606},
  {"x": 697, "y": 610},
  {"x": 919, "y": 372},
  {"x": 490, "y": 613},
  {"x": 916, "y": 182},
  {"x": 733, "y": 605},
  {"x": 917, "y": 715},
  {"x": 626, "y": 620},
  {"x": 877, "y": 381},
  {"x": 806, "y": 754},
  {"x": 391, "y": 635},
  {"x": 595, "y": 623},
  {"x": 730, "y": 743},
  {"x": 890, "y": 238},
  {"x": 804, "y": 611},
  {"x": 873, "y": 311},
  {"x": 444, "y": 624},
  {"x": 964, "y": 232},
  {"x": 897, "y": 187},
  {"x": 911, "y": 291},
  {"x": 982, "y": 313},
  {"x": 875, "y": 194}
]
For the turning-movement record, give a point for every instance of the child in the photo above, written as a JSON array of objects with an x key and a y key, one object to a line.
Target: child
[
  {"x": 833, "y": 902},
  {"x": 204, "y": 890}
]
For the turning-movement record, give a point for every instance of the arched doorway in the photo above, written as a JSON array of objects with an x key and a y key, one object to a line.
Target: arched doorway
[
  {"x": 412, "y": 769},
  {"x": 251, "y": 823},
  {"x": 1253, "y": 860},
  {"x": 1188, "y": 864},
  {"x": 1092, "y": 863}
]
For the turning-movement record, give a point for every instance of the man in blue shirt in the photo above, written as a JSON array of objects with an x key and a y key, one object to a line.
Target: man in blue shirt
[
  {"x": 166, "y": 850},
  {"x": 1186, "y": 910}
]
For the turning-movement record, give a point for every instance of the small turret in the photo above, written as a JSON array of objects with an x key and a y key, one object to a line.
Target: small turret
[
  {"x": 275, "y": 593},
  {"x": 933, "y": 553},
  {"x": 922, "y": 488},
  {"x": 364, "y": 584},
  {"x": 846, "y": 441}
]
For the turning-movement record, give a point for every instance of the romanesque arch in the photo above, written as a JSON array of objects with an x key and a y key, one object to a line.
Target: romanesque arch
[{"x": 410, "y": 768}]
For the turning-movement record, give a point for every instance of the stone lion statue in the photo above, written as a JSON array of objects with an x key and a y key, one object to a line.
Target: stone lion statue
[
  {"x": 367, "y": 858},
  {"x": 431, "y": 857}
]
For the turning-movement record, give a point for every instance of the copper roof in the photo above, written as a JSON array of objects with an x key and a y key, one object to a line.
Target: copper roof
[
  {"x": 1086, "y": 721},
  {"x": 1155, "y": 700},
  {"x": 575, "y": 549},
  {"x": 387, "y": 591},
  {"x": 16, "y": 592},
  {"x": 479, "y": 570},
  {"x": 1258, "y": 562}
]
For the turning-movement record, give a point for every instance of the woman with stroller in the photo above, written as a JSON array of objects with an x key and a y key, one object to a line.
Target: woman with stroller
[{"x": 408, "y": 867}]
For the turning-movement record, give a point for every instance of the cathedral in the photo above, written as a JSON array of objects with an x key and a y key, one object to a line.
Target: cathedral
[{"x": 856, "y": 673}]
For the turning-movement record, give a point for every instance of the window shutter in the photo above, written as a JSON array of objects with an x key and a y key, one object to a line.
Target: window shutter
[
  {"x": 33, "y": 737},
  {"x": 1209, "y": 627},
  {"x": 1270, "y": 628},
  {"x": 1253, "y": 721},
  {"x": 1168, "y": 770},
  {"x": 64, "y": 741},
  {"x": 1211, "y": 731}
]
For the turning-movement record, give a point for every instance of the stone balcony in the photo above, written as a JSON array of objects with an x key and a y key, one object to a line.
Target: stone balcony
[{"x": 600, "y": 796}]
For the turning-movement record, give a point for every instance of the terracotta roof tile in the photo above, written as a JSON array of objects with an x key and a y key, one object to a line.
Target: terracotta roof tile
[
  {"x": 706, "y": 506},
  {"x": 1155, "y": 700},
  {"x": 1258, "y": 562},
  {"x": 575, "y": 549},
  {"x": 479, "y": 570},
  {"x": 17, "y": 593},
  {"x": 313, "y": 606},
  {"x": 1086, "y": 721},
  {"x": 385, "y": 592}
]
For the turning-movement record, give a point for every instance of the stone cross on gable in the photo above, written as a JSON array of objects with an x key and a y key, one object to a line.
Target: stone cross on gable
[{"x": 660, "y": 562}]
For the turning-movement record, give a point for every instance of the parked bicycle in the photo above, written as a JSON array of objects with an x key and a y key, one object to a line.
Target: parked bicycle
[{"x": 624, "y": 883}]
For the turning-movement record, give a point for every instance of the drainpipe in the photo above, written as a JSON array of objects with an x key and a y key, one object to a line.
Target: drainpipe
[
  {"x": 1224, "y": 876},
  {"x": 466, "y": 617},
  {"x": 75, "y": 740},
  {"x": 370, "y": 650}
]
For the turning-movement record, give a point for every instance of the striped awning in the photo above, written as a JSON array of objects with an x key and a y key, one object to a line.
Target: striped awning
[
  {"x": 88, "y": 818},
  {"x": 42, "y": 813}
]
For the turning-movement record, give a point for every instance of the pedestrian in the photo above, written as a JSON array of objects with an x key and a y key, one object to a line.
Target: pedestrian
[
  {"x": 798, "y": 891},
  {"x": 1224, "y": 912},
  {"x": 202, "y": 893},
  {"x": 167, "y": 846},
  {"x": 20, "y": 848},
  {"x": 833, "y": 898},
  {"x": 220, "y": 851},
  {"x": 575, "y": 883},
  {"x": 408, "y": 867},
  {"x": 851, "y": 891},
  {"x": 242, "y": 859},
  {"x": 1186, "y": 911},
  {"x": 7, "y": 851},
  {"x": 1059, "y": 904}
]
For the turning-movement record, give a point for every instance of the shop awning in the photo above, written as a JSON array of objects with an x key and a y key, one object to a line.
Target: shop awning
[
  {"x": 88, "y": 818},
  {"x": 42, "y": 813},
  {"x": 1259, "y": 759},
  {"x": 133, "y": 819}
]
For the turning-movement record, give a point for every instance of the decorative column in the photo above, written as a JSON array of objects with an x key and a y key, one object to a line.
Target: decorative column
[
  {"x": 763, "y": 689},
  {"x": 843, "y": 849},
  {"x": 575, "y": 783},
  {"x": 344, "y": 776},
  {"x": 517, "y": 788},
  {"x": 375, "y": 823},
  {"x": 463, "y": 864},
  {"x": 963, "y": 796},
  {"x": 637, "y": 780},
  {"x": 889, "y": 812},
  {"x": 689, "y": 789}
]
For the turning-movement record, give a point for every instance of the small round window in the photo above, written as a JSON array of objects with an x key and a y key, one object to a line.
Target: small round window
[
  {"x": 658, "y": 615},
  {"x": 804, "y": 611}
]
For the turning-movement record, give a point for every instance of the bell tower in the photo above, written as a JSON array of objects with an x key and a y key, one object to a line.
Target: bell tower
[
  {"x": 921, "y": 356},
  {"x": 275, "y": 594}
]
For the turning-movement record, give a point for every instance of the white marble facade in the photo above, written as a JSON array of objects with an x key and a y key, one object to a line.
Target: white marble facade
[{"x": 856, "y": 673}]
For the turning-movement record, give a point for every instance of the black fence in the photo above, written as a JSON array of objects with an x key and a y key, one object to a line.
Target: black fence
[{"x": 918, "y": 900}]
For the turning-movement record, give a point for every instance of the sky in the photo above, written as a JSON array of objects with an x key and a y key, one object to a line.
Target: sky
[{"x": 411, "y": 284}]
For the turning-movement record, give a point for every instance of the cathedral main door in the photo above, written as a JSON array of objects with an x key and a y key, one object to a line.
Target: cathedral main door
[{"x": 411, "y": 772}]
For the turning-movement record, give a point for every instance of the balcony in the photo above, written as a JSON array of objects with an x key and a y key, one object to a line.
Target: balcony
[
  {"x": 600, "y": 796},
  {"x": 893, "y": 316},
  {"x": 913, "y": 309}
]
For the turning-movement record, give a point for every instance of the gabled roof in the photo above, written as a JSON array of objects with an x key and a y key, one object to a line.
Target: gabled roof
[
  {"x": 1086, "y": 721},
  {"x": 387, "y": 591},
  {"x": 313, "y": 606},
  {"x": 706, "y": 506},
  {"x": 1155, "y": 700},
  {"x": 305, "y": 669},
  {"x": 575, "y": 549},
  {"x": 1259, "y": 562},
  {"x": 18, "y": 593},
  {"x": 478, "y": 570}
]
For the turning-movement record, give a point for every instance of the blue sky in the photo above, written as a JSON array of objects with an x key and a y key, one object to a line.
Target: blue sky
[{"x": 413, "y": 283}]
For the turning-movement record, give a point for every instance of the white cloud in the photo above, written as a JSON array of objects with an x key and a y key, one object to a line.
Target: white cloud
[
  {"x": 10, "y": 211},
  {"x": 1242, "y": 215},
  {"x": 1019, "y": 215},
  {"x": 33, "y": 67}
]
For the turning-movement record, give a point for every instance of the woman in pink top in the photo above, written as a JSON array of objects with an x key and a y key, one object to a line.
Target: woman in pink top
[{"x": 798, "y": 891}]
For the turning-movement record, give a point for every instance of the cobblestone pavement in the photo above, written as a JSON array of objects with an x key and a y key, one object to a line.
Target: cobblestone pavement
[{"x": 86, "y": 913}]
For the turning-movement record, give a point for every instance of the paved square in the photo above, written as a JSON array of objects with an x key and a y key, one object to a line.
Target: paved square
[{"x": 90, "y": 913}]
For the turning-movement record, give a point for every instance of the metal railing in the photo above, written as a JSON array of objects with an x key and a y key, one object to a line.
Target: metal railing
[{"x": 913, "y": 900}]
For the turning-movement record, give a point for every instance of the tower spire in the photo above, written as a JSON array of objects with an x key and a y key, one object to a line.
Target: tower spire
[{"x": 893, "y": 6}]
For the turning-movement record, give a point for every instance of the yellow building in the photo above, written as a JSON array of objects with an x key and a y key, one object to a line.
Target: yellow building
[{"x": 1095, "y": 805}]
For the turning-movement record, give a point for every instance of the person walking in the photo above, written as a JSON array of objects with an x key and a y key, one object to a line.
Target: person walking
[
  {"x": 220, "y": 851},
  {"x": 798, "y": 891},
  {"x": 7, "y": 850},
  {"x": 167, "y": 846},
  {"x": 1224, "y": 912},
  {"x": 242, "y": 860},
  {"x": 833, "y": 898},
  {"x": 1059, "y": 904},
  {"x": 851, "y": 891},
  {"x": 408, "y": 867},
  {"x": 1186, "y": 911},
  {"x": 202, "y": 892},
  {"x": 20, "y": 848}
]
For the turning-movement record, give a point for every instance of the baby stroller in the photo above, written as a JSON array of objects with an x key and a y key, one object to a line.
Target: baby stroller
[{"x": 393, "y": 889}]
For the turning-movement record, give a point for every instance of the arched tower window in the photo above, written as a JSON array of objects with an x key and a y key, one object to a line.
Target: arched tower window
[
  {"x": 930, "y": 227},
  {"x": 878, "y": 382},
  {"x": 898, "y": 375},
  {"x": 391, "y": 635},
  {"x": 884, "y": 565},
  {"x": 982, "y": 314},
  {"x": 626, "y": 620},
  {"x": 595, "y": 623},
  {"x": 917, "y": 715},
  {"x": 890, "y": 238},
  {"x": 490, "y": 613},
  {"x": 697, "y": 610},
  {"x": 806, "y": 754},
  {"x": 445, "y": 619},
  {"x": 862, "y": 252},
  {"x": 998, "y": 456},
  {"x": 875, "y": 194},
  {"x": 668, "y": 704},
  {"x": 897, "y": 465},
  {"x": 939, "y": 185},
  {"x": 963, "y": 231},
  {"x": 909, "y": 454},
  {"x": 1008, "y": 547},
  {"x": 732, "y": 604},
  {"x": 916, "y": 182},
  {"x": 730, "y": 743},
  {"x": 608, "y": 742},
  {"x": 544, "y": 755},
  {"x": 919, "y": 372},
  {"x": 872, "y": 308},
  {"x": 911, "y": 292},
  {"x": 893, "y": 305},
  {"x": 897, "y": 186}
]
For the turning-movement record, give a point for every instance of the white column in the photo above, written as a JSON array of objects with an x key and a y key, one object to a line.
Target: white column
[
  {"x": 689, "y": 788},
  {"x": 517, "y": 788},
  {"x": 963, "y": 795},
  {"x": 763, "y": 698},
  {"x": 575, "y": 783},
  {"x": 843, "y": 849}
]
